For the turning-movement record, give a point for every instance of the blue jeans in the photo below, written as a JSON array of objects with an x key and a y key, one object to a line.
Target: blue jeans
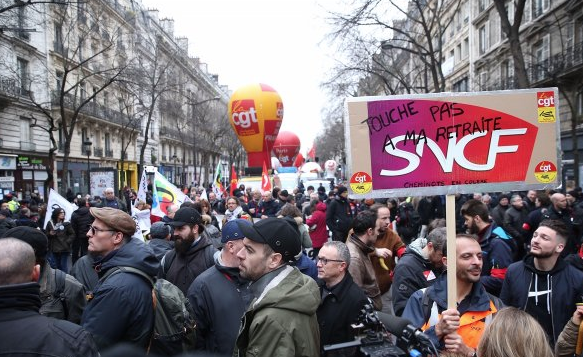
[{"x": 61, "y": 261}]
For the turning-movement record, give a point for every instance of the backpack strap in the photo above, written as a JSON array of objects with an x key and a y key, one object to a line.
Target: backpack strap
[
  {"x": 426, "y": 304},
  {"x": 167, "y": 261},
  {"x": 59, "y": 292}
]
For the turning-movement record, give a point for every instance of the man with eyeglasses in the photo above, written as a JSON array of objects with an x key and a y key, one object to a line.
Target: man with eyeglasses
[
  {"x": 342, "y": 299},
  {"x": 361, "y": 244},
  {"x": 120, "y": 309}
]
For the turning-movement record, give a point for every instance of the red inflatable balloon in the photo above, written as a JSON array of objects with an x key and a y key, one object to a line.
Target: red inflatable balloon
[{"x": 286, "y": 147}]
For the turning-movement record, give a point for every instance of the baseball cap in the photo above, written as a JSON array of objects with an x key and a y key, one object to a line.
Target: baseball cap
[
  {"x": 280, "y": 234},
  {"x": 231, "y": 230},
  {"x": 115, "y": 218},
  {"x": 35, "y": 237},
  {"x": 159, "y": 230},
  {"x": 187, "y": 215}
]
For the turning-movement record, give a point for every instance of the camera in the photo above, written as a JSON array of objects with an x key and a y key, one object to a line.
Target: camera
[
  {"x": 371, "y": 339},
  {"x": 372, "y": 331}
]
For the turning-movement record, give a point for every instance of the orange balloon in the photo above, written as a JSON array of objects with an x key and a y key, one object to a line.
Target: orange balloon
[{"x": 255, "y": 114}]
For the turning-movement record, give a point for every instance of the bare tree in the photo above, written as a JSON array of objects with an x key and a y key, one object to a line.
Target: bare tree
[{"x": 71, "y": 69}]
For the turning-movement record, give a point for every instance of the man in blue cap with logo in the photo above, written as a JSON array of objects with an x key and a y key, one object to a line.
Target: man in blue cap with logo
[{"x": 219, "y": 296}]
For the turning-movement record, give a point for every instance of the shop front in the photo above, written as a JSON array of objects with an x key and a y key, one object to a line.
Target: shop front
[
  {"x": 128, "y": 175},
  {"x": 31, "y": 173}
]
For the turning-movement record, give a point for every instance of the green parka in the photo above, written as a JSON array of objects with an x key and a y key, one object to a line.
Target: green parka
[{"x": 282, "y": 321}]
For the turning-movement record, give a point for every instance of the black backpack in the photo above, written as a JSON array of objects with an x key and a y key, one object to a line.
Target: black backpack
[
  {"x": 174, "y": 325},
  {"x": 59, "y": 292}
]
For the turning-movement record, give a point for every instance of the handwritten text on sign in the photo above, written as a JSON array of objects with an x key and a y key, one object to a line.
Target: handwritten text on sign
[{"x": 422, "y": 143}]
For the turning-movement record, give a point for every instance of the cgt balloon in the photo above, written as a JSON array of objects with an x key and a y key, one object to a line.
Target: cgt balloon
[
  {"x": 255, "y": 114},
  {"x": 286, "y": 147}
]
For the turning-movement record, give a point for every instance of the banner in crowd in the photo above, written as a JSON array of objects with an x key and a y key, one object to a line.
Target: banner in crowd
[
  {"x": 234, "y": 181},
  {"x": 142, "y": 188},
  {"x": 217, "y": 182},
  {"x": 165, "y": 194},
  {"x": 58, "y": 201},
  {"x": 448, "y": 143},
  {"x": 265, "y": 181}
]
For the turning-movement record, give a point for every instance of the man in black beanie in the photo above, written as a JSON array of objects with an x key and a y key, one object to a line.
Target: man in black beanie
[{"x": 62, "y": 296}]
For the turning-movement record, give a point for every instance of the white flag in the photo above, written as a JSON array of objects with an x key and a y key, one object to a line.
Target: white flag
[
  {"x": 58, "y": 201},
  {"x": 203, "y": 195},
  {"x": 143, "y": 188}
]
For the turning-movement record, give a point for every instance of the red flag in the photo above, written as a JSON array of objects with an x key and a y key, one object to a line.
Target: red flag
[
  {"x": 233, "y": 180},
  {"x": 265, "y": 181},
  {"x": 312, "y": 152}
]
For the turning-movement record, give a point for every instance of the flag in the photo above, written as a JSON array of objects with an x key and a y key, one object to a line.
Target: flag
[
  {"x": 265, "y": 181},
  {"x": 143, "y": 188},
  {"x": 58, "y": 201},
  {"x": 312, "y": 152},
  {"x": 203, "y": 195},
  {"x": 217, "y": 185},
  {"x": 165, "y": 194},
  {"x": 233, "y": 180}
]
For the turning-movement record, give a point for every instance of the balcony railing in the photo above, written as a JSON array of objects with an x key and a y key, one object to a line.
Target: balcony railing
[
  {"x": 7, "y": 86},
  {"x": 98, "y": 152},
  {"x": 92, "y": 109},
  {"x": 108, "y": 153},
  {"x": 26, "y": 145},
  {"x": 172, "y": 133},
  {"x": 556, "y": 65}
]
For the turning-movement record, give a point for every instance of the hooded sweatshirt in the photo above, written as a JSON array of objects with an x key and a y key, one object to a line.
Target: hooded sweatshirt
[
  {"x": 549, "y": 296},
  {"x": 281, "y": 320}
]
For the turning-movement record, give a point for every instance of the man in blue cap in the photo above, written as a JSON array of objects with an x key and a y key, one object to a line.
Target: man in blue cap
[{"x": 218, "y": 290}]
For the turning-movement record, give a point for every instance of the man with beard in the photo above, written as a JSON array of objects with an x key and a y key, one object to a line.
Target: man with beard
[
  {"x": 498, "y": 248},
  {"x": 388, "y": 247},
  {"x": 456, "y": 330},
  {"x": 193, "y": 252},
  {"x": 543, "y": 284},
  {"x": 281, "y": 320}
]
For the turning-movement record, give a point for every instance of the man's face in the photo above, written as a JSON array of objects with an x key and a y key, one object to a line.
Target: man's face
[
  {"x": 531, "y": 195},
  {"x": 471, "y": 224},
  {"x": 172, "y": 211},
  {"x": 266, "y": 196},
  {"x": 344, "y": 194},
  {"x": 101, "y": 238},
  {"x": 560, "y": 202},
  {"x": 544, "y": 243},
  {"x": 4, "y": 205},
  {"x": 503, "y": 202},
  {"x": 183, "y": 238},
  {"x": 469, "y": 260},
  {"x": 109, "y": 195},
  {"x": 383, "y": 219},
  {"x": 254, "y": 264},
  {"x": 435, "y": 256},
  {"x": 517, "y": 203},
  {"x": 256, "y": 196},
  {"x": 332, "y": 270},
  {"x": 212, "y": 196}
]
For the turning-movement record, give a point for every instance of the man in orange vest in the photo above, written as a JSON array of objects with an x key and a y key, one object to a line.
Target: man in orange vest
[{"x": 456, "y": 330}]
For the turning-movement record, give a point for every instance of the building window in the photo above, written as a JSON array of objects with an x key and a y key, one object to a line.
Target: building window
[
  {"x": 61, "y": 142},
  {"x": 483, "y": 5},
  {"x": 82, "y": 91},
  {"x": 509, "y": 6},
  {"x": 541, "y": 51},
  {"x": 461, "y": 85},
  {"x": 484, "y": 43},
  {"x": 106, "y": 100},
  {"x": 58, "y": 44},
  {"x": 21, "y": 20},
  {"x": 507, "y": 74},
  {"x": 579, "y": 104},
  {"x": 81, "y": 50},
  {"x": 539, "y": 7},
  {"x": 107, "y": 142},
  {"x": 23, "y": 80},
  {"x": 84, "y": 138},
  {"x": 25, "y": 132},
  {"x": 465, "y": 47}
]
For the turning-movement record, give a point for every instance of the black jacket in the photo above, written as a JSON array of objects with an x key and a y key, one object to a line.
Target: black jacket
[
  {"x": 412, "y": 272},
  {"x": 25, "y": 332},
  {"x": 339, "y": 309},
  {"x": 121, "y": 309},
  {"x": 80, "y": 221},
  {"x": 185, "y": 268},
  {"x": 160, "y": 246},
  {"x": 566, "y": 289},
  {"x": 219, "y": 298},
  {"x": 339, "y": 216},
  {"x": 83, "y": 271},
  {"x": 5, "y": 225}
]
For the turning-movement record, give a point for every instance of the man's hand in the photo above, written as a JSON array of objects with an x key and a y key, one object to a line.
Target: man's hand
[
  {"x": 454, "y": 343},
  {"x": 449, "y": 323},
  {"x": 383, "y": 253},
  {"x": 263, "y": 216},
  {"x": 578, "y": 315}
]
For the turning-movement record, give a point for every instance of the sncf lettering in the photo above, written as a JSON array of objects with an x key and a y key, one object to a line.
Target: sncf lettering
[{"x": 455, "y": 152}]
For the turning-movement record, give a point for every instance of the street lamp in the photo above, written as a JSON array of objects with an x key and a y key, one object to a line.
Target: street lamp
[
  {"x": 87, "y": 145},
  {"x": 174, "y": 157}
]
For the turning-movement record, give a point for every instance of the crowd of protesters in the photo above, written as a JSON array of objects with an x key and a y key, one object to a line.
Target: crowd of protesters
[{"x": 280, "y": 273}]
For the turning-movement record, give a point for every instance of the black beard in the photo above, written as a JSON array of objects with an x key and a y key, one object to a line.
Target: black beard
[{"x": 182, "y": 245}]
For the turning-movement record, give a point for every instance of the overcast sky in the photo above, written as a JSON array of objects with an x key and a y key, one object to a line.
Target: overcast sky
[{"x": 275, "y": 42}]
